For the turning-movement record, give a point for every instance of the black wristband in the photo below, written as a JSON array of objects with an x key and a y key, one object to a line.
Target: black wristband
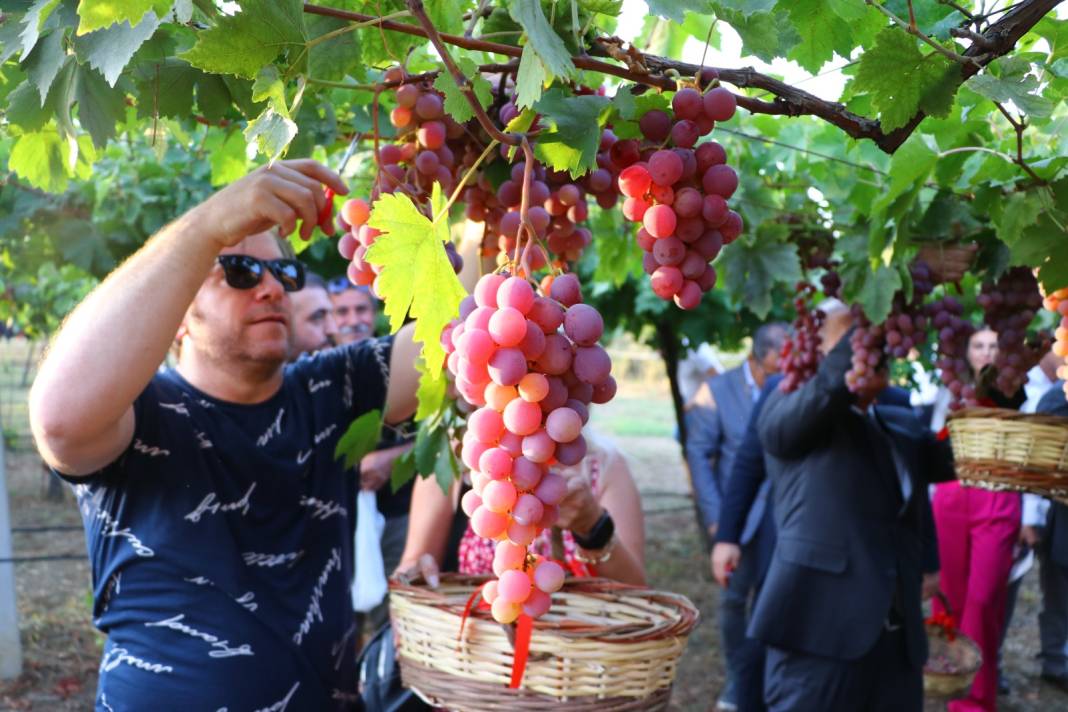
[{"x": 600, "y": 534}]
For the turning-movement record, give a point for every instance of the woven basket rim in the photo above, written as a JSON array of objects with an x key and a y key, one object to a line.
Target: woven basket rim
[
  {"x": 1010, "y": 415},
  {"x": 607, "y": 590}
]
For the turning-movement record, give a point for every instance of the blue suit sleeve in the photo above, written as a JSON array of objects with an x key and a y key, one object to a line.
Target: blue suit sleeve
[
  {"x": 930, "y": 561},
  {"x": 744, "y": 480},
  {"x": 703, "y": 438}
]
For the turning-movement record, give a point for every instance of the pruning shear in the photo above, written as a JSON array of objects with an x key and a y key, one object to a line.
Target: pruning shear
[{"x": 326, "y": 216}]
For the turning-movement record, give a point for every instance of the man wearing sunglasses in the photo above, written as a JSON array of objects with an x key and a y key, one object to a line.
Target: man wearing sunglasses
[{"x": 216, "y": 516}]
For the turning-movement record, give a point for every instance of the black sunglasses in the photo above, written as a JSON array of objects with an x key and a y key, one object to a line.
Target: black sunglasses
[{"x": 245, "y": 271}]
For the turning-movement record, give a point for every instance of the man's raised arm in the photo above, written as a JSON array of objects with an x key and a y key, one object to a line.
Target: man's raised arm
[{"x": 111, "y": 345}]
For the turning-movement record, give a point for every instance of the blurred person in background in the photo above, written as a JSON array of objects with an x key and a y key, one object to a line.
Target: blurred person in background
[
  {"x": 354, "y": 310},
  {"x": 314, "y": 328},
  {"x": 715, "y": 427},
  {"x": 694, "y": 370}
]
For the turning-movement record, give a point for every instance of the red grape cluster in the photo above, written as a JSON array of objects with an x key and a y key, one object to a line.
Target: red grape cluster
[
  {"x": 679, "y": 193},
  {"x": 868, "y": 342},
  {"x": 531, "y": 365},
  {"x": 954, "y": 331},
  {"x": 801, "y": 351},
  {"x": 1008, "y": 307}
]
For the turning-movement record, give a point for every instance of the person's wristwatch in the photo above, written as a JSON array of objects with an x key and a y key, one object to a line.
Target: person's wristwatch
[{"x": 599, "y": 535}]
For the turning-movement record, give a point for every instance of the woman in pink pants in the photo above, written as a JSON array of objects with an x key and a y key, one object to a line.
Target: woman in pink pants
[{"x": 976, "y": 532}]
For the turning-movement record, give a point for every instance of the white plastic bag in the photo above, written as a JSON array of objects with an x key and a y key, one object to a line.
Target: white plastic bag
[{"x": 369, "y": 585}]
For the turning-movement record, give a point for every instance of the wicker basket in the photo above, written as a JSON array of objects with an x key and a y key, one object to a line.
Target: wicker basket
[
  {"x": 1001, "y": 449},
  {"x": 952, "y": 661},
  {"x": 603, "y": 646}
]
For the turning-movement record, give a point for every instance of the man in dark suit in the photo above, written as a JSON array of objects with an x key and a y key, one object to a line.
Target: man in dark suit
[
  {"x": 746, "y": 486},
  {"x": 840, "y": 606},
  {"x": 1053, "y": 573},
  {"x": 715, "y": 427}
]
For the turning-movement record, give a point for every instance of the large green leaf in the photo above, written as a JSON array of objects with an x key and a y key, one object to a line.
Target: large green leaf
[
  {"x": 765, "y": 35},
  {"x": 902, "y": 81},
  {"x": 244, "y": 43},
  {"x": 98, "y": 14},
  {"x": 165, "y": 88},
  {"x": 676, "y": 9},
  {"x": 360, "y": 438},
  {"x": 416, "y": 278},
  {"x": 1015, "y": 84},
  {"x": 876, "y": 293},
  {"x": 271, "y": 132},
  {"x": 109, "y": 50},
  {"x": 749, "y": 269},
  {"x": 542, "y": 37},
  {"x": 336, "y": 58},
  {"x": 44, "y": 62},
  {"x": 822, "y": 33},
  {"x": 41, "y": 160},
  {"x": 571, "y": 140},
  {"x": 911, "y": 165},
  {"x": 456, "y": 104},
  {"x": 530, "y": 79},
  {"x": 100, "y": 106}
]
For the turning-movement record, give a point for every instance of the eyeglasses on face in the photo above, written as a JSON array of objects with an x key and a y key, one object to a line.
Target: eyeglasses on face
[{"x": 246, "y": 271}]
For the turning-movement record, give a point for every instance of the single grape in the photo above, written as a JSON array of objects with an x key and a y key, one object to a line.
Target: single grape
[
  {"x": 563, "y": 425},
  {"x": 549, "y": 576},
  {"x": 660, "y": 221}
]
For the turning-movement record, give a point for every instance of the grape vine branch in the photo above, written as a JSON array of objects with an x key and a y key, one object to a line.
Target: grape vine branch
[{"x": 997, "y": 40}]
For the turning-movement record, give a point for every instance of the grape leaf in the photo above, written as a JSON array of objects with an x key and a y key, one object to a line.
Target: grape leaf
[
  {"x": 749, "y": 268},
  {"x": 213, "y": 96},
  {"x": 165, "y": 88},
  {"x": 456, "y": 104},
  {"x": 1015, "y": 84},
  {"x": 911, "y": 164},
  {"x": 41, "y": 160},
  {"x": 336, "y": 58},
  {"x": 109, "y": 50},
  {"x": 44, "y": 62},
  {"x": 402, "y": 472},
  {"x": 417, "y": 277},
  {"x": 226, "y": 152},
  {"x": 748, "y": 7},
  {"x": 765, "y": 35},
  {"x": 242, "y": 44},
  {"x": 822, "y": 32},
  {"x": 24, "y": 108},
  {"x": 100, "y": 106},
  {"x": 32, "y": 23},
  {"x": 676, "y": 9},
  {"x": 901, "y": 80},
  {"x": 542, "y": 37},
  {"x": 431, "y": 391},
  {"x": 530, "y": 79},
  {"x": 571, "y": 138},
  {"x": 876, "y": 293},
  {"x": 1015, "y": 214},
  {"x": 97, "y": 14},
  {"x": 10, "y": 32},
  {"x": 269, "y": 87},
  {"x": 360, "y": 438},
  {"x": 602, "y": 7},
  {"x": 271, "y": 132}
]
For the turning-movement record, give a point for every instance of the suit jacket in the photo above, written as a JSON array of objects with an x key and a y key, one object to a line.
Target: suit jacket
[
  {"x": 713, "y": 436},
  {"x": 1054, "y": 403},
  {"x": 849, "y": 548}
]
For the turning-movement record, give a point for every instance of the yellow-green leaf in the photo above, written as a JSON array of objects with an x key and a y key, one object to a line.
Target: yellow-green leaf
[{"x": 417, "y": 277}]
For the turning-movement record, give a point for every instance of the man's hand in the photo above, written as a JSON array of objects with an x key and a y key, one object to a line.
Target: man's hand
[
  {"x": 270, "y": 196},
  {"x": 1031, "y": 536},
  {"x": 930, "y": 585},
  {"x": 725, "y": 559},
  {"x": 948, "y": 263}
]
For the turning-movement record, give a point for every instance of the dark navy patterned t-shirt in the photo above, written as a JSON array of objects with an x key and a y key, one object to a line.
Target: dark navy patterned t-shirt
[{"x": 221, "y": 545}]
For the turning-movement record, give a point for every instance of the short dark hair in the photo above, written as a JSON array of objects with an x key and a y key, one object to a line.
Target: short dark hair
[
  {"x": 769, "y": 337},
  {"x": 313, "y": 280}
]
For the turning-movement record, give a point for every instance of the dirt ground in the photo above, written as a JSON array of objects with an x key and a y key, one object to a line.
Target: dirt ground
[{"x": 61, "y": 649}]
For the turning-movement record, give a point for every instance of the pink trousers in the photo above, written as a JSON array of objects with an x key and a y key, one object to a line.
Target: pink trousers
[{"x": 976, "y": 532}]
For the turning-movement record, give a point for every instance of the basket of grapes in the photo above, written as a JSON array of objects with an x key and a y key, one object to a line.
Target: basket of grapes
[
  {"x": 1001, "y": 449},
  {"x": 602, "y": 646},
  {"x": 953, "y": 659}
]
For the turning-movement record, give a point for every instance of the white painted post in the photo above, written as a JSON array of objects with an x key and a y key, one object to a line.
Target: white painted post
[{"x": 10, "y": 643}]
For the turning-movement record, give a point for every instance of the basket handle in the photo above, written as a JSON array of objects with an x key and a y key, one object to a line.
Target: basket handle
[{"x": 944, "y": 601}]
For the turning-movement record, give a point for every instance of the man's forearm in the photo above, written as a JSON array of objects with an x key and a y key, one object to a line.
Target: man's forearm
[{"x": 108, "y": 349}]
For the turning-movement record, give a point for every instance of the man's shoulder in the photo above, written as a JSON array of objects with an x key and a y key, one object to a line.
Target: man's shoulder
[{"x": 1053, "y": 401}]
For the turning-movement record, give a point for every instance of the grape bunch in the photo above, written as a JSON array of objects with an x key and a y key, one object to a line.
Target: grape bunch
[
  {"x": 868, "y": 342},
  {"x": 906, "y": 326},
  {"x": 1009, "y": 305},
  {"x": 954, "y": 331},
  {"x": 678, "y": 192},
  {"x": 531, "y": 365},
  {"x": 801, "y": 351}
]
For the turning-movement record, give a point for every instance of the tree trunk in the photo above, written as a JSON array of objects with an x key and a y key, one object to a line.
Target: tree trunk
[{"x": 668, "y": 345}]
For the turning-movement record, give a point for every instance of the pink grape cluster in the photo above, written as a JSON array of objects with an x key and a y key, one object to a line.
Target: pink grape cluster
[
  {"x": 801, "y": 355},
  {"x": 1009, "y": 305},
  {"x": 531, "y": 366},
  {"x": 679, "y": 193},
  {"x": 954, "y": 331}
]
